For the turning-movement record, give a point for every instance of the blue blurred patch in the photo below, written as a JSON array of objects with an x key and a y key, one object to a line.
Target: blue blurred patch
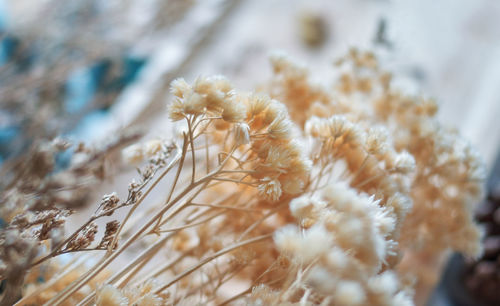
[
  {"x": 83, "y": 84},
  {"x": 7, "y": 136},
  {"x": 132, "y": 68},
  {"x": 63, "y": 159},
  {"x": 8, "y": 45},
  {"x": 80, "y": 89}
]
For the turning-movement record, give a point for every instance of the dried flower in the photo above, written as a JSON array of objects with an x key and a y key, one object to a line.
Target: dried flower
[
  {"x": 270, "y": 189},
  {"x": 241, "y": 134}
]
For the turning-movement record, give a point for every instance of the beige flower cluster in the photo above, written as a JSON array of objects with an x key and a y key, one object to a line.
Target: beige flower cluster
[{"x": 293, "y": 195}]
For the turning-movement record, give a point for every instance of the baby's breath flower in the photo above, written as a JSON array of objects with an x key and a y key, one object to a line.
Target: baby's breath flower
[
  {"x": 315, "y": 242},
  {"x": 108, "y": 295},
  {"x": 316, "y": 127},
  {"x": 385, "y": 222},
  {"x": 384, "y": 283},
  {"x": 179, "y": 87},
  {"x": 306, "y": 207},
  {"x": 405, "y": 163},
  {"x": 203, "y": 85},
  {"x": 257, "y": 103},
  {"x": 108, "y": 202},
  {"x": 133, "y": 154},
  {"x": 270, "y": 188},
  {"x": 321, "y": 280},
  {"x": 222, "y": 84},
  {"x": 376, "y": 140},
  {"x": 280, "y": 128},
  {"x": 241, "y": 134},
  {"x": 353, "y": 135},
  {"x": 274, "y": 110},
  {"x": 152, "y": 147},
  {"x": 149, "y": 299},
  {"x": 349, "y": 293},
  {"x": 194, "y": 104},
  {"x": 287, "y": 239},
  {"x": 233, "y": 111},
  {"x": 293, "y": 185},
  {"x": 176, "y": 110},
  {"x": 338, "y": 126},
  {"x": 278, "y": 158}
]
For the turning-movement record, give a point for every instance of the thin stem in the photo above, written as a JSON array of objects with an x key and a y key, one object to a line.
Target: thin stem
[
  {"x": 203, "y": 119},
  {"x": 176, "y": 229},
  {"x": 255, "y": 224},
  {"x": 153, "y": 249},
  {"x": 164, "y": 267},
  {"x": 222, "y": 179},
  {"x": 105, "y": 261},
  {"x": 177, "y": 174},
  {"x": 60, "y": 245},
  {"x": 212, "y": 257},
  {"x": 68, "y": 268},
  {"x": 193, "y": 167},
  {"x": 361, "y": 168},
  {"x": 112, "y": 245},
  {"x": 368, "y": 180},
  {"x": 226, "y": 207},
  {"x": 207, "y": 160},
  {"x": 239, "y": 295}
]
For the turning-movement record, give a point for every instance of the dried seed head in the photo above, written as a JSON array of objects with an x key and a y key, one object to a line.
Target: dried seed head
[
  {"x": 133, "y": 154},
  {"x": 222, "y": 84},
  {"x": 306, "y": 207},
  {"x": 194, "y": 104},
  {"x": 84, "y": 238},
  {"x": 270, "y": 189},
  {"x": 280, "y": 128},
  {"x": 152, "y": 147},
  {"x": 109, "y": 234},
  {"x": 286, "y": 239},
  {"x": 405, "y": 163},
  {"x": 179, "y": 87},
  {"x": 275, "y": 110},
  {"x": 203, "y": 85},
  {"x": 316, "y": 127},
  {"x": 241, "y": 134},
  {"x": 149, "y": 299},
  {"x": 108, "y": 295},
  {"x": 176, "y": 110},
  {"x": 376, "y": 141},
  {"x": 234, "y": 111},
  {"x": 257, "y": 104},
  {"x": 109, "y": 202},
  {"x": 349, "y": 293},
  {"x": 338, "y": 126}
]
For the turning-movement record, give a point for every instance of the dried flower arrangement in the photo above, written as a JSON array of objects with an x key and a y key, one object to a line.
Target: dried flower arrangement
[{"x": 293, "y": 195}]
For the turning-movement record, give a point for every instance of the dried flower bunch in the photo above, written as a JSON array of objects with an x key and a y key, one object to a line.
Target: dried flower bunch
[{"x": 295, "y": 195}]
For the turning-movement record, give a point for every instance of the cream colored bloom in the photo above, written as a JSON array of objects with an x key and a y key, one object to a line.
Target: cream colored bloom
[
  {"x": 241, "y": 134},
  {"x": 270, "y": 189},
  {"x": 108, "y": 295},
  {"x": 133, "y": 154}
]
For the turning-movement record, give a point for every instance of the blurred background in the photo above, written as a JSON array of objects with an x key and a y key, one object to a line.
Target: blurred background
[{"x": 87, "y": 68}]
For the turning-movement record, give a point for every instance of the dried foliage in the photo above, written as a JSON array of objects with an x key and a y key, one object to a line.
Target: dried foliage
[
  {"x": 297, "y": 195},
  {"x": 36, "y": 198}
]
